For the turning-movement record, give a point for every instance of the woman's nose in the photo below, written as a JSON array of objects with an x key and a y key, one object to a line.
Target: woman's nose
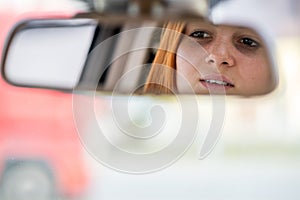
[{"x": 220, "y": 54}]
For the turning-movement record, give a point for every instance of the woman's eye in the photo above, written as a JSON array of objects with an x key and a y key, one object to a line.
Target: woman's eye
[
  {"x": 200, "y": 35},
  {"x": 249, "y": 42}
]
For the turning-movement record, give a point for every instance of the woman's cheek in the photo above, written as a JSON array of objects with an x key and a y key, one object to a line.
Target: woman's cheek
[
  {"x": 185, "y": 76},
  {"x": 182, "y": 67},
  {"x": 256, "y": 76}
]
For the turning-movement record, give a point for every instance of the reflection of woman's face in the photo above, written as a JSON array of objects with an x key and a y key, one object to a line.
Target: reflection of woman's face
[{"x": 233, "y": 58}]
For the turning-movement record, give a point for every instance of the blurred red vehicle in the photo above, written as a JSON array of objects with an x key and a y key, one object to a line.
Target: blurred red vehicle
[{"x": 40, "y": 152}]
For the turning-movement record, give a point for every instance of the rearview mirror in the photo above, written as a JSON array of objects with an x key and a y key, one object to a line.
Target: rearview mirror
[{"x": 190, "y": 56}]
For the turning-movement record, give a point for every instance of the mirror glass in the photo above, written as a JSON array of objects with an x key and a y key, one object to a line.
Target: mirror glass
[
  {"x": 194, "y": 56},
  {"x": 49, "y": 53}
]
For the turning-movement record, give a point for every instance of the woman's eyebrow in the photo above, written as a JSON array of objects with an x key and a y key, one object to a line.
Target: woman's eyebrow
[
  {"x": 197, "y": 22},
  {"x": 249, "y": 32},
  {"x": 245, "y": 29},
  {"x": 200, "y": 25}
]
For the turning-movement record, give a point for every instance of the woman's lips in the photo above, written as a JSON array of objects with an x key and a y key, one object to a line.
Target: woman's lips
[{"x": 216, "y": 82}]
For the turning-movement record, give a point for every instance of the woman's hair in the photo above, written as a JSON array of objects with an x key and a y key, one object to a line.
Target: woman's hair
[{"x": 162, "y": 75}]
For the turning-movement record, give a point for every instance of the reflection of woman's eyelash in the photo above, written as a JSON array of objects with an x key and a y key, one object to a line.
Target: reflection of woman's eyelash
[
  {"x": 200, "y": 34},
  {"x": 251, "y": 43}
]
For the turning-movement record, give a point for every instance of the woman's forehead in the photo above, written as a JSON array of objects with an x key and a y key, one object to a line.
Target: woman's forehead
[{"x": 207, "y": 24}]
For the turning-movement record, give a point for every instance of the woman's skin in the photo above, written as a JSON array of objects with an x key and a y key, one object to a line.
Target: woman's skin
[{"x": 219, "y": 58}]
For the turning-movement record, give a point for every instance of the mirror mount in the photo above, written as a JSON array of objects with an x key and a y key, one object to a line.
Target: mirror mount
[{"x": 151, "y": 9}]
